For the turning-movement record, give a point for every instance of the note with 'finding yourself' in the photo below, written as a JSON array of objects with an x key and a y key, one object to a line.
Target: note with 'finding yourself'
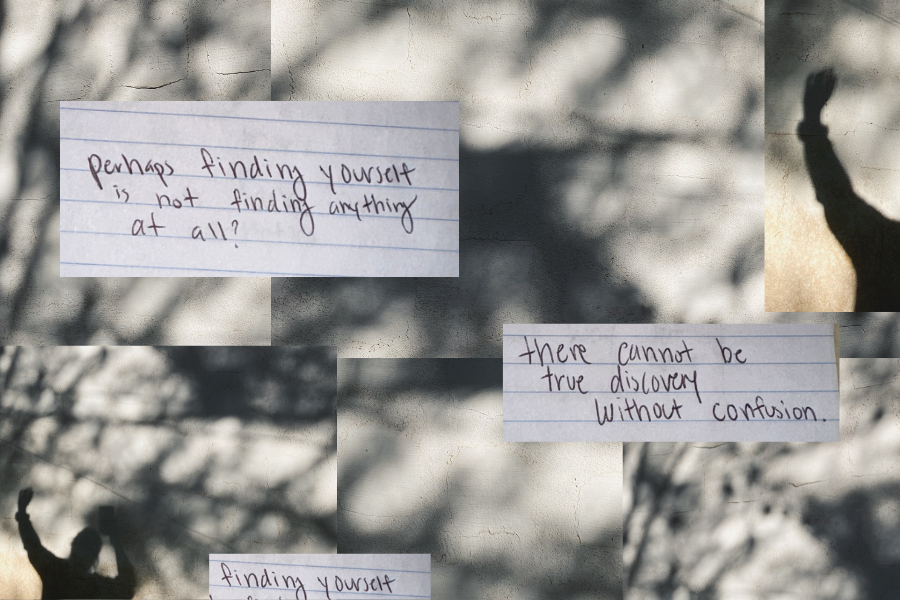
[
  {"x": 315, "y": 576},
  {"x": 285, "y": 189}
]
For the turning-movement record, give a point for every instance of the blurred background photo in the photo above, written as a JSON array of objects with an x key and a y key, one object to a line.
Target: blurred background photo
[
  {"x": 611, "y": 164},
  {"x": 422, "y": 468}
]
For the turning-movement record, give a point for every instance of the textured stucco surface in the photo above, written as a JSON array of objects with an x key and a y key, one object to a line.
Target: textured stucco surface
[
  {"x": 806, "y": 268},
  {"x": 99, "y": 50},
  {"x": 761, "y": 521},
  {"x": 611, "y": 163},
  {"x": 611, "y": 167},
  {"x": 216, "y": 450},
  {"x": 422, "y": 467},
  {"x": 611, "y": 160}
]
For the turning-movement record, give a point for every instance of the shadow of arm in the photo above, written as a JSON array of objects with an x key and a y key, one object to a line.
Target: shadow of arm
[
  {"x": 125, "y": 581},
  {"x": 40, "y": 557},
  {"x": 851, "y": 219},
  {"x": 830, "y": 181}
]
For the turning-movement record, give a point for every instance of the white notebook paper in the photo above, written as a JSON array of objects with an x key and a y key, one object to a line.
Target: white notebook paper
[
  {"x": 670, "y": 383},
  {"x": 320, "y": 576},
  {"x": 288, "y": 189}
]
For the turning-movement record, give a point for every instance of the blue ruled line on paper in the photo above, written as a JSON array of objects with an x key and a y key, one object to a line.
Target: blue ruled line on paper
[
  {"x": 671, "y": 364},
  {"x": 672, "y": 422},
  {"x": 276, "y": 150},
  {"x": 675, "y": 392},
  {"x": 332, "y": 593},
  {"x": 236, "y": 240},
  {"x": 270, "y": 564},
  {"x": 200, "y": 269},
  {"x": 283, "y": 181},
  {"x": 604, "y": 335},
  {"x": 250, "y": 211},
  {"x": 265, "y": 119}
]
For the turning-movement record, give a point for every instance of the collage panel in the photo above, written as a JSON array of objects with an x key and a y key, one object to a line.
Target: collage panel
[
  {"x": 142, "y": 461},
  {"x": 832, "y": 139},
  {"x": 104, "y": 50},
  {"x": 732, "y": 520},
  {"x": 422, "y": 468},
  {"x": 610, "y": 164}
]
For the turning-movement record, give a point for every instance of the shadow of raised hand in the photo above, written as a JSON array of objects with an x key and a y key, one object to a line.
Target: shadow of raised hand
[
  {"x": 871, "y": 240},
  {"x": 819, "y": 88}
]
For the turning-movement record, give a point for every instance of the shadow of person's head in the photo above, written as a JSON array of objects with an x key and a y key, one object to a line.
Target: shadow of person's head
[{"x": 85, "y": 550}]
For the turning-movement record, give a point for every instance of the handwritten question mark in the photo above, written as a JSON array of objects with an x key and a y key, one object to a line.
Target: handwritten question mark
[{"x": 235, "y": 224}]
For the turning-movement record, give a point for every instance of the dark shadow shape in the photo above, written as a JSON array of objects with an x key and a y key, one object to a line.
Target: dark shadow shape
[
  {"x": 517, "y": 249},
  {"x": 74, "y": 577},
  {"x": 871, "y": 240},
  {"x": 850, "y": 529},
  {"x": 455, "y": 376},
  {"x": 286, "y": 386},
  {"x": 291, "y": 385}
]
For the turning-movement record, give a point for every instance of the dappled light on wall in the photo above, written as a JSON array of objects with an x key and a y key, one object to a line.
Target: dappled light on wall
[
  {"x": 760, "y": 520},
  {"x": 199, "y": 449}
]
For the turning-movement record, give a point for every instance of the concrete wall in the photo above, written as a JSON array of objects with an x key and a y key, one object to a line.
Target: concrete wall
[
  {"x": 611, "y": 168},
  {"x": 99, "y": 50},
  {"x": 422, "y": 467},
  {"x": 806, "y": 268},
  {"x": 220, "y": 450},
  {"x": 611, "y": 163},
  {"x": 611, "y": 158},
  {"x": 773, "y": 520}
]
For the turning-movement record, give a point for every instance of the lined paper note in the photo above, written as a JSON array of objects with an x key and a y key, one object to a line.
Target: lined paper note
[
  {"x": 327, "y": 576},
  {"x": 670, "y": 383},
  {"x": 259, "y": 188}
]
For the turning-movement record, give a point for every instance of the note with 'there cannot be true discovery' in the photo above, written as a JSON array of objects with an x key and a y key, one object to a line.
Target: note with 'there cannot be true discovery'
[
  {"x": 252, "y": 189},
  {"x": 670, "y": 383}
]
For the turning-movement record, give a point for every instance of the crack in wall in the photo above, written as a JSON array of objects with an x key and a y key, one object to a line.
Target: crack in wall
[{"x": 152, "y": 87}]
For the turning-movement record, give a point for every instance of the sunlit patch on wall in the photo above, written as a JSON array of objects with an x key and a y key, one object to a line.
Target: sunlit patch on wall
[{"x": 854, "y": 40}]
